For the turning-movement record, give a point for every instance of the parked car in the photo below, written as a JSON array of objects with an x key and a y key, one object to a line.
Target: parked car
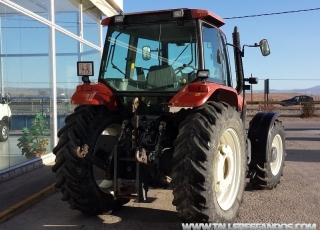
[
  {"x": 5, "y": 117},
  {"x": 296, "y": 100}
]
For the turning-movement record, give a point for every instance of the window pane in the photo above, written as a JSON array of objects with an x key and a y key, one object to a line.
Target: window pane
[
  {"x": 67, "y": 15},
  {"x": 183, "y": 58},
  {"x": 119, "y": 45},
  {"x": 40, "y": 7},
  {"x": 66, "y": 44},
  {"x": 156, "y": 57},
  {"x": 66, "y": 69},
  {"x": 91, "y": 25},
  {"x": 25, "y": 70},
  {"x": 25, "y": 74},
  {"x": 67, "y": 55},
  {"x": 225, "y": 60},
  {"x": 212, "y": 54}
]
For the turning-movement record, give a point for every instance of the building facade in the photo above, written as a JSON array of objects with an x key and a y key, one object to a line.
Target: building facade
[{"x": 40, "y": 44}]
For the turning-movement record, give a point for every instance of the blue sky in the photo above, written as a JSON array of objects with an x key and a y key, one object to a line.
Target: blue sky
[{"x": 293, "y": 38}]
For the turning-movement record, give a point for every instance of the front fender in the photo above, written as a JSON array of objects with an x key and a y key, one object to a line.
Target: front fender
[
  {"x": 198, "y": 93},
  {"x": 95, "y": 94}
]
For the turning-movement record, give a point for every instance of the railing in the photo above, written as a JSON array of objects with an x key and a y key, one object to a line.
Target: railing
[
  {"x": 32, "y": 106},
  {"x": 23, "y": 110}
]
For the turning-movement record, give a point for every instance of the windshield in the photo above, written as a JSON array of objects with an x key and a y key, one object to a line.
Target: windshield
[{"x": 155, "y": 57}]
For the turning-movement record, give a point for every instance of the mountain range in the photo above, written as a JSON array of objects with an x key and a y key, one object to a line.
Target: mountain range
[{"x": 315, "y": 90}]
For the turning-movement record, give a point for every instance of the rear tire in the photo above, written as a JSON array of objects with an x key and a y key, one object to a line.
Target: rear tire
[
  {"x": 269, "y": 166},
  {"x": 209, "y": 165},
  {"x": 4, "y": 131},
  {"x": 77, "y": 179}
]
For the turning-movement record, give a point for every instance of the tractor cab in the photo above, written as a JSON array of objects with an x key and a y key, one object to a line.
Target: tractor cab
[
  {"x": 163, "y": 51},
  {"x": 169, "y": 59},
  {"x": 155, "y": 55}
]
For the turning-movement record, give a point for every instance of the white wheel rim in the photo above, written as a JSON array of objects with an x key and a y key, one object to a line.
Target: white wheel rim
[
  {"x": 112, "y": 131},
  {"x": 227, "y": 169},
  {"x": 275, "y": 163},
  {"x": 5, "y": 132}
]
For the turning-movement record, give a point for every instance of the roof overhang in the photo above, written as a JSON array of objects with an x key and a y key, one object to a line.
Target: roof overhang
[{"x": 109, "y": 7}]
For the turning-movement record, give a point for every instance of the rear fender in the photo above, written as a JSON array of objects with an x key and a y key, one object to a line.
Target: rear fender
[
  {"x": 189, "y": 96},
  {"x": 95, "y": 94},
  {"x": 259, "y": 129}
]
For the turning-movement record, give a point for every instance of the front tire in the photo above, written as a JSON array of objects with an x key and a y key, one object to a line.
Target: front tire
[
  {"x": 269, "y": 164},
  {"x": 209, "y": 165},
  {"x": 4, "y": 131},
  {"x": 82, "y": 184}
]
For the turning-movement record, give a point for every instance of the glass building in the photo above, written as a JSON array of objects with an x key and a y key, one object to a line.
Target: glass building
[{"x": 40, "y": 44}]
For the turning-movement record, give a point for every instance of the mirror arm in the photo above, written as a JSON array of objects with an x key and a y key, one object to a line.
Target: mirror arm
[
  {"x": 239, "y": 49},
  {"x": 229, "y": 44},
  {"x": 255, "y": 45}
]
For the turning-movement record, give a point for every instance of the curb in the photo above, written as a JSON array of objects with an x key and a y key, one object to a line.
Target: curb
[
  {"x": 23, "y": 205},
  {"x": 27, "y": 166}
]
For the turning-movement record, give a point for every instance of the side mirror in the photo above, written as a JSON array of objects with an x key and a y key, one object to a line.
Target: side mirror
[
  {"x": 146, "y": 53},
  {"x": 5, "y": 99},
  {"x": 264, "y": 47}
]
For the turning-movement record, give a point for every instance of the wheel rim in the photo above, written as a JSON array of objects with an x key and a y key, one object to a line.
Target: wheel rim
[
  {"x": 276, "y": 155},
  {"x": 106, "y": 141},
  {"x": 227, "y": 169},
  {"x": 5, "y": 132}
]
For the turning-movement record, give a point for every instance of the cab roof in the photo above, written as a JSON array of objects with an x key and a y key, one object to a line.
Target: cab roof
[{"x": 164, "y": 16}]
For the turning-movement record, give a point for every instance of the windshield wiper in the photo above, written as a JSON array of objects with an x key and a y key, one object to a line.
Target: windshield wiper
[
  {"x": 180, "y": 54},
  {"x": 115, "y": 67},
  {"x": 112, "y": 50}
]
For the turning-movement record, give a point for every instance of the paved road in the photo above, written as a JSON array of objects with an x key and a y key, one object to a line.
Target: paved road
[{"x": 295, "y": 200}]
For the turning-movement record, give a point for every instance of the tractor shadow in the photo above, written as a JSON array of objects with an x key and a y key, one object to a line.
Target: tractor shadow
[
  {"x": 303, "y": 155},
  {"x": 128, "y": 218},
  {"x": 145, "y": 214}
]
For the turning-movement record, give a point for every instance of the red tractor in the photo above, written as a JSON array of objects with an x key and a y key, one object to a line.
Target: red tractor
[{"x": 164, "y": 114}]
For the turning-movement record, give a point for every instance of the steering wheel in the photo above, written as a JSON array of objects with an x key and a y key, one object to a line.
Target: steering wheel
[{"x": 180, "y": 68}]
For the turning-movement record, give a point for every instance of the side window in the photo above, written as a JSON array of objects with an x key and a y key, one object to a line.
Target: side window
[
  {"x": 212, "y": 53},
  {"x": 117, "y": 64},
  {"x": 225, "y": 60}
]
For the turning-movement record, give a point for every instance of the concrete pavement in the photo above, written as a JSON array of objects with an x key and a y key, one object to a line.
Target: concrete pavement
[
  {"x": 25, "y": 190},
  {"x": 260, "y": 206}
]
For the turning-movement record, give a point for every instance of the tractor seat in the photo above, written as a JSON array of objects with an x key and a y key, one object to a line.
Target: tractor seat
[{"x": 159, "y": 76}]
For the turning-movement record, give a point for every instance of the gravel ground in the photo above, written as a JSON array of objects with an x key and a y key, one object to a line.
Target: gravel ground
[
  {"x": 297, "y": 197},
  {"x": 286, "y": 114},
  {"x": 295, "y": 200}
]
